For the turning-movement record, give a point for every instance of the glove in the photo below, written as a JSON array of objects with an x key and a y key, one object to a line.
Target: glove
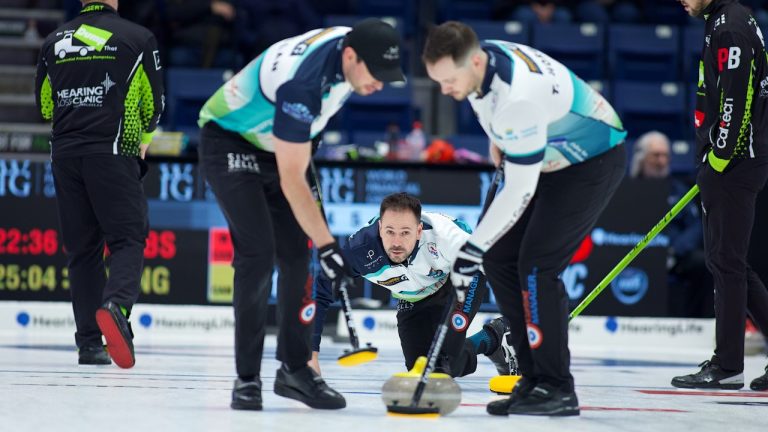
[
  {"x": 468, "y": 263},
  {"x": 332, "y": 263},
  {"x": 716, "y": 163}
]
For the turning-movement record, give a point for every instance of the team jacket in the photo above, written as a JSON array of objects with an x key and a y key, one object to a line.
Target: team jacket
[
  {"x": 730, "y": 115},
  {"x": 99, "y": 81},
  {"x": 421, "y": 275},
  {"x": 543, "y": 118},
  {"x": 290, "y": 91}
]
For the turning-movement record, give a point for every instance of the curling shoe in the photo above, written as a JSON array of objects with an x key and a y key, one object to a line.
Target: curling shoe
[
  {"x": 93, "y": 355},
  {"x": 246, "y": 395},
  {"x": 546, "y": 400},
  {"x": 760, "y": 383},
  {"x": 305, "y": 385},
  {"x": 711, "y": 376},
  {"x": 116, "y": 329},
  {"x": 501, "y": 407}
]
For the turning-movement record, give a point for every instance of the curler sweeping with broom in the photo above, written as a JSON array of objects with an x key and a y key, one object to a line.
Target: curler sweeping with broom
[{"x": 559, "y": 143}]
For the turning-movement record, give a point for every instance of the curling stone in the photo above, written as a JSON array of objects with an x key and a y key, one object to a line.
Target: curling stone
[{"x": 441, "y": 391}]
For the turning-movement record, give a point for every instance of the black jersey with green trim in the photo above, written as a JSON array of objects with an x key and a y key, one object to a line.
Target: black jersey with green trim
[
  {"x": 99, "y": 81},
  {"x": 732, "y": 96}
]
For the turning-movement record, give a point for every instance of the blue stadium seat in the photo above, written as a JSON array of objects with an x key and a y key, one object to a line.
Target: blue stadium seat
[
  {"x": 645, "y": 53},
  {"x": 580, "y": 47},
  {"x": 645, "y": 106},
  {"x": 667, "y": 12},
  {"x": 373, "y": 113},
  {"x": 367, "y": 138},
  {"x": 592, "y": 11},
  {"x": 693, "y": 44},
  {"x": 186, "y": 92},
  {"x": 512, "y": 31},
  {"x": 464, "y": 10},
  {"x": 682, "y": 157}
]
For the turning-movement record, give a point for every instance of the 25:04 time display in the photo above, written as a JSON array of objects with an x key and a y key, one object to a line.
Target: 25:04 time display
[
  {"x": 14, "y": 241},
  {"x": 14, "y": 277}
]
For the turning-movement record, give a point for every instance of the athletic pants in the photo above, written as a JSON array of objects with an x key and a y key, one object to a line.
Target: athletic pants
[
  {"x": 264, "y": 232},
  {"x": 524, "y": 266},
  {"x": 101, "y": 199},
  {"x": 728, "y": 201},
  {"x": 417, "y": 323}
]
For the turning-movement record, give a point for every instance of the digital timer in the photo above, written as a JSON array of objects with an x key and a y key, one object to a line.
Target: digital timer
[
  {"x": 14, "y": 277},
  {"x": 35, "y": 242}
]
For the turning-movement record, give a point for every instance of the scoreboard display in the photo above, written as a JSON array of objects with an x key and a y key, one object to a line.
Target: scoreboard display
[{"x": 188, "y": 252}]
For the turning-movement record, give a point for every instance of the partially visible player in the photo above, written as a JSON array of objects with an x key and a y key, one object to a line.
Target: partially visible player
[{"x": 99, "y": 81}]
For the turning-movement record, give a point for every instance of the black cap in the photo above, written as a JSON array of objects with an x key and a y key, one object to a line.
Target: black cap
[{"x": 378, "y": 45}]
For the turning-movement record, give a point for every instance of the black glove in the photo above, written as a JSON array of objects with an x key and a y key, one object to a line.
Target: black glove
[
  {"x": 332, "y": 263},
  {"x": 468, "y": 263}
]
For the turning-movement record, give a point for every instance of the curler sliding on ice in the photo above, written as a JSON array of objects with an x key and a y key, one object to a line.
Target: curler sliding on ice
[{"x": 423, "y": 393}]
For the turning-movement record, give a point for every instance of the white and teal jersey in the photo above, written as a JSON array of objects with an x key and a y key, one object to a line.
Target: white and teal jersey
[
  {"x": 290, "y": 91},
  {"x": 534, "y": 108},
  {"x": 543, "y": 118}
]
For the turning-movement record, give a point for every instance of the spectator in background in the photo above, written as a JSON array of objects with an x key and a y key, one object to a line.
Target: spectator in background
[
  {"x": 201, "y": 33},
  {"x": 689, "y": 281}
]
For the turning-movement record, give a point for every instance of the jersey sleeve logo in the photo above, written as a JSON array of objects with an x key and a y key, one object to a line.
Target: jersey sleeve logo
[
  {"x": 299, "y": 111},
  {"x": 92, "y": 36},
  {"x": 532, "y": 66},
  {"x": 156, "y": 55},
  {"x": 392, "y": 281},
  {"x": 302, "y": 46},
  {"x": 731, "y": 56},
  {"x": 432, "y": 248}
]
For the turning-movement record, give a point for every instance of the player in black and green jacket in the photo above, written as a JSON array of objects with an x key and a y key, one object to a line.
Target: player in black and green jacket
[
  {"x": 732, "y": 133},
  {"x": 99, "y": 81}
]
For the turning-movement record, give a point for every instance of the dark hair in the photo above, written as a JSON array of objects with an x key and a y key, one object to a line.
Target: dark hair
[
  {"x": 401, "y": 201},
  {"x": 450, "y": 38}
]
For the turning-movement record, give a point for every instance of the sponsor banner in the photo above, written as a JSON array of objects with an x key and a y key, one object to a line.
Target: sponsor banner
[
  {"x": 641, "y": 288},
  {"x": 380, "y": 326},
  {"x": 31, "y": 319},
  {"x": 188, "y": 262},
  {"x": 642, "y": 333},
  {"x": 626, "y": 333}
]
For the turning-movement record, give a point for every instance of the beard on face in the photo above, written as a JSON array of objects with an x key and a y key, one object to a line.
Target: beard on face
[{"x": 391, "y": 254}]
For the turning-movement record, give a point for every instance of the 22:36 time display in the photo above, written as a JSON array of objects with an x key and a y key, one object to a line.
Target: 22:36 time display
[{"x": 14, "y": 241}]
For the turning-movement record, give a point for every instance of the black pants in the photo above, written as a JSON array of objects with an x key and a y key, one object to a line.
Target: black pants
[
  {"x": 524, "y": 266},
  {"x": 728, "y": 202},
  {"x": 417, "y": 323},
  {"x": 264, "y": 233},
  {"x": 101, "y": 198}
]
